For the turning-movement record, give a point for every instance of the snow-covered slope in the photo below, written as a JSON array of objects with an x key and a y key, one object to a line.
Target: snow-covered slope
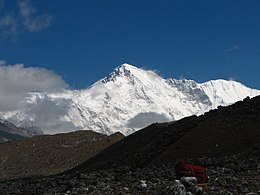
[{"x": 126, "y": 100}]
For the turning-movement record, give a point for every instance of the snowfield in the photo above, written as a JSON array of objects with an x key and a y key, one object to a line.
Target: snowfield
[{"x": 126, "y": 100}]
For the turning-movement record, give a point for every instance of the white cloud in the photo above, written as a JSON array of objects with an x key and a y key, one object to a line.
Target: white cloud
[
  {"x": 22, "y": 17},
  {"x": 2, "y": 62},
  {"x": 47, "y": 115},
  {"x": 232, "y": 49},
  {"x": 32, "y": 21},
  {"x": 26, "y": 9},
  {"x": 8, "y": 27},
  {"x": 232, "y": 78},
  {"x": 16, "y": 80}
]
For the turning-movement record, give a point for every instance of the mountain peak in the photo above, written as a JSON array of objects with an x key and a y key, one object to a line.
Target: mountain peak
[
  {"x": 125, "y": 69},
  {"x": 128, "y": 99},
  {"x": 127, "y": 66},
  {"x": 120, "y": 71}
]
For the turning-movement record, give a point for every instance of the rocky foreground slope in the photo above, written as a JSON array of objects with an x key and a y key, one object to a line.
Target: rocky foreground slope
[
  {"x": 236, "y": 174},
  {"x": 226, "y": 141}
]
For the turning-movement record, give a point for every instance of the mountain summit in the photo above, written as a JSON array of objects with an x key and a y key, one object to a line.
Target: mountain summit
[
  {"x": 126, "y": 100},
  {"x": 120, "y": 71}
]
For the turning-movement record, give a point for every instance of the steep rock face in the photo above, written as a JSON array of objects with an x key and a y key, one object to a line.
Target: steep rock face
[{"x": 127, "y": 100}]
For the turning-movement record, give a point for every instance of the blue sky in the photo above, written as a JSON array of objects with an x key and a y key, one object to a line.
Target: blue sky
[{"x": 84, "y": 40}]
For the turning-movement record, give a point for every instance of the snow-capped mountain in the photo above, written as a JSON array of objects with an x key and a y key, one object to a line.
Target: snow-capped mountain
[{"x": 126, "y": 100}]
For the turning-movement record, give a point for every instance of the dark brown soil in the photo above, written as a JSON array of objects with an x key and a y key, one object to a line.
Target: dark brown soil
[{"x": 50, "y": 154}]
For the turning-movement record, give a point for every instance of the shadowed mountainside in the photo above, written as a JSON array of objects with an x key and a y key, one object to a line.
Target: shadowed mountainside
[
  {"x": 9, "y": 131},
  {"x": 50, "y": 154},
  {"x": 221, "y": 132}
]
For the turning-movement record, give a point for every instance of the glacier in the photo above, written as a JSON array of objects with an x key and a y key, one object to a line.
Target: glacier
[{"x": 126, "y": 100}]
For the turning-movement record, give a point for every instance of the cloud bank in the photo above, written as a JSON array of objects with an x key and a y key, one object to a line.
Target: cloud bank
[
  {"x": 16, "y": 80},
  {"x": 47, "y": 115}
]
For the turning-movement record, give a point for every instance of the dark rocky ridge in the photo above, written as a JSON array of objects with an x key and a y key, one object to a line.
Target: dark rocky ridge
[{"x": 222, "y": 132}]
